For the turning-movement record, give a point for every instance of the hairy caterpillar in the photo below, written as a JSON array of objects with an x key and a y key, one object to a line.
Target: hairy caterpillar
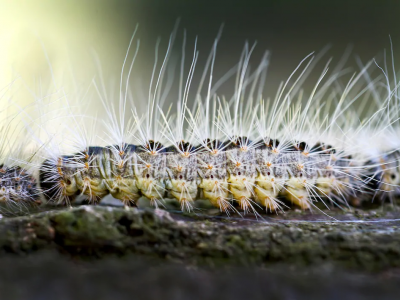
[
  {"x": 245, "y": 150},
  {"x": 18, "y": 183}
]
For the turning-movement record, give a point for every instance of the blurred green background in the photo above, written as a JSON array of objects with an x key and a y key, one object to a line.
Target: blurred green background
[{"x": 70, "y": 32}]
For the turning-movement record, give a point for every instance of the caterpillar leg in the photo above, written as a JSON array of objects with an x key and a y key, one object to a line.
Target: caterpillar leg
[
  {"x": 268, "y": 200},
  {"x": 296, "y": 193},
  {"x": 217, "y": 192},
  {"x": 266, "y": 192},
  {"x": 185, "y": 192}
]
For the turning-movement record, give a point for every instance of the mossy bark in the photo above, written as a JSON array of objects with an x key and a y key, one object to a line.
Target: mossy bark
[{"x": 367, "y": 241}]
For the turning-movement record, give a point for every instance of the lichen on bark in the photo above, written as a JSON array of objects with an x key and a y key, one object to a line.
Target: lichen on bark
[{"x": 366, "y": 240}]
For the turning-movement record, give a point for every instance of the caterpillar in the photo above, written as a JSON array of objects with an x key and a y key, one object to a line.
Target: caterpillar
[
  {"x": 18, "y": 184},
  {"x": 241, "y": 154}
]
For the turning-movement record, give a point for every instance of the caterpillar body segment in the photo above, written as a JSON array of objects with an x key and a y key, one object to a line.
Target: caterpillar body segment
[
  {"x": 271, "y": 176},
  {"x": 90, "y": 177},
  {"x": 302, "y": 176},
  {"x": 383, "y": 176},
  {"x": 324, "y": 166},
  {"x": 119, "y": 168},
  {"x": 349, "y": 186},
  {"x": 150, "y": 171},
  {"x": 338, "y": 177},
  {"x": 241, "y": 168},
  {"x": 57, "y": 180},
  {"x": 211, "y": 167},
  {"x": 182, "y": 173}
]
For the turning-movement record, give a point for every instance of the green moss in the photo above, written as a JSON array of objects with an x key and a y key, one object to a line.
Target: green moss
[{"x": 97, "y": 231}]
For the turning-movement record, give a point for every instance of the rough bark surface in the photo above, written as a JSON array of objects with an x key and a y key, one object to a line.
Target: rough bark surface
[{"x": 367, "y": 241}]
